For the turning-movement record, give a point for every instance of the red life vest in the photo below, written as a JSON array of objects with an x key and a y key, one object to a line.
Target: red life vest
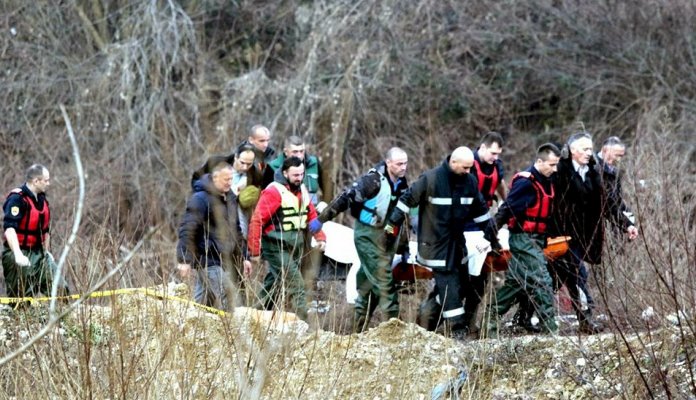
[
  {"x": 487, "y": 183},
  {"x": 33, "y": 227},
  {"x": 536, "y": 217}
]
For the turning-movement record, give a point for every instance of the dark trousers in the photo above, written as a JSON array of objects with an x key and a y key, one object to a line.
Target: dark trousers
[
  {"x": 453, "y": 286},
  {"x": 567, "y": 271}
]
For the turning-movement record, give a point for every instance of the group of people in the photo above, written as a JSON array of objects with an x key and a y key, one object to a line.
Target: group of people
[
  {"x": 248, "y": 206},
  {"x": 254, "y": 205},
  {"x": 564, "y": 192}
]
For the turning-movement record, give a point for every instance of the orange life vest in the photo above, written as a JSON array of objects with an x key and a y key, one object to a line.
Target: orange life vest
[
  {"x": 33, "y": 228},
  {"x": 487, "y": 183},
  {"x": 536, "y": 217}
]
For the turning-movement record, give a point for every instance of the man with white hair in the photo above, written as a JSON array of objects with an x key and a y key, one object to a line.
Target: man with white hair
[
  {"x": 580, "y": 207},
  {"x": 447, "y": 198}
]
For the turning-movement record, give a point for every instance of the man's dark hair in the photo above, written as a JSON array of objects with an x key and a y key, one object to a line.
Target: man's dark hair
[
  {"x": 291, "y": 162},
  {"x": 244, "y": 148},
  {"x": 35, "y": 171},
  {"x": 547, "y": 149},
  {"x": 492, "y": 137},
  {"x": 293, "y": 141}
]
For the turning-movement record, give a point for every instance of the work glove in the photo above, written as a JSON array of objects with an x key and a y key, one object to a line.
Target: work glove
[
  {"x": 392, "y": 233},
  {"x": 314, "y": 226},
  {"x": 21, "y": 259}
]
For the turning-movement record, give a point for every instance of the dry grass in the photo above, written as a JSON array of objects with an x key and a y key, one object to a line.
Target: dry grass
[{"x": 154, "y": 87}]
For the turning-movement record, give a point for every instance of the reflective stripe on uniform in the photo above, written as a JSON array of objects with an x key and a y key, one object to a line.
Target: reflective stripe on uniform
[
  {"x": 453, "y": 313},
  {"x": 466, "y": 200},
  {"x": 440, "y": 201},
  {"x": 403, "y": 207},
  {"x": 484, "y": 217},
  {"x": 431, "y": 263}
]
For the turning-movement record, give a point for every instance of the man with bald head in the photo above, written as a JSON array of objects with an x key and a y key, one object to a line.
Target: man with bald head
[
  {"x": 370, "y": 199},
  {"x": 447, "y": 198},
  {"x": 260, "y": 173}
]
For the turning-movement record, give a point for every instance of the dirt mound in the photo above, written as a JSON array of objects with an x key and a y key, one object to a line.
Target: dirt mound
[{"x": 140, "y": 345}]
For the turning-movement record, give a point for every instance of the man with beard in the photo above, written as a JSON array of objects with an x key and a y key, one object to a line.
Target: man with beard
[
  {"x": 295, "y": 147},
  {"x": 283, "y": 214}
]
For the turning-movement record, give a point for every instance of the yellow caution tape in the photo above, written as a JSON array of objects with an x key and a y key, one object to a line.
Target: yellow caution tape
[{"x": 109, "y": 293}]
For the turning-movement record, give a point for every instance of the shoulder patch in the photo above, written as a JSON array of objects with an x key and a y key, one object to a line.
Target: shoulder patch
[
  {"x": 14, "y": 211},
  {"x": 525, "y": 174}
]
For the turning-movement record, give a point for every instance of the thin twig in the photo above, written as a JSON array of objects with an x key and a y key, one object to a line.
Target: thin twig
[
  {"x": 55, "y": 319},
  {"x": 78, "y": 213}
]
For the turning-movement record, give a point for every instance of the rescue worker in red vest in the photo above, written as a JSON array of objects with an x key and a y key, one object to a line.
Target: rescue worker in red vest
[
  {"x": 527, "y": 213},
  {"x": 26, "y": 261},
  {"x": 283, "y": 214},
  {"x": 371, "y": 199},
  {"x": 488, "y": 168},
  {"x": 489, "y": 173},
  {"x": 447, "y": 198}
]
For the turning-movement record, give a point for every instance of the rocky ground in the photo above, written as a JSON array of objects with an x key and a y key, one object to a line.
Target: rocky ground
[{"x": 140, "y": 345}]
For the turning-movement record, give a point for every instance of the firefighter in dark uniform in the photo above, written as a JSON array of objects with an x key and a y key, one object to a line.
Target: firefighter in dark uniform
[
  {"x": 527, "y": 214},
  {"x": 371, "y": 199},
  {"x": 26, "y": 261},
  {"x": 447, "y": 197}
]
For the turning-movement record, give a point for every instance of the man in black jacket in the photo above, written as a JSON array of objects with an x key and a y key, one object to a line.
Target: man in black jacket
[
  {"x": 447, "y": 197},
  {"x": 210, "y": 239},
  {"x": 580, "y": 206},
  {"x": 371, "y": 199},
  {"x": 609, "y": 159}
]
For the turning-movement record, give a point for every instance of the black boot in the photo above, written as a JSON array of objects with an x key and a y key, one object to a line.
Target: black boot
[
  {"x": 523, "y": 319},
  {"x": 456, "y": 328},
  {"x": 429, "y": 313},
  {"x": 587, "y": 324},
  {"x": 359, "y": 323}
]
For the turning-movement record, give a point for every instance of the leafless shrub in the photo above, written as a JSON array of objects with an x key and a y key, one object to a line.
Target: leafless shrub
[{"x": 154, "y": 87}]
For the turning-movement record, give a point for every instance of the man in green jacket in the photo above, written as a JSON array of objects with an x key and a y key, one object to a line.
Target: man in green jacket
[
  {"x": 294, "y": 146},
  {"x": 371, "y": 199}
]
